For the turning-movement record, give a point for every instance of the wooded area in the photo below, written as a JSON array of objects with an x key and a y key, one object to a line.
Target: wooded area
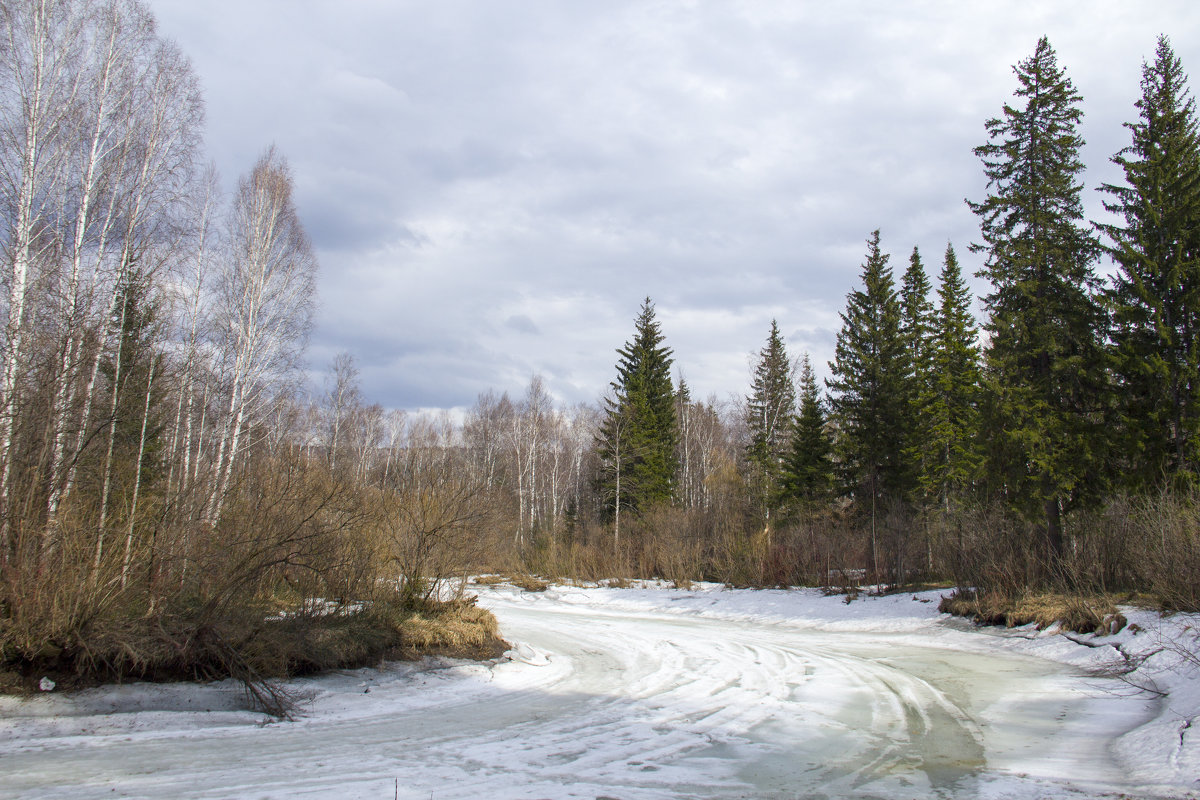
[{"x": 172, "y": 502}]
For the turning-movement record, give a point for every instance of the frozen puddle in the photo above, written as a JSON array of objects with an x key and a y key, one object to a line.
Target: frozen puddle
[{"x": 608, "y": 696}]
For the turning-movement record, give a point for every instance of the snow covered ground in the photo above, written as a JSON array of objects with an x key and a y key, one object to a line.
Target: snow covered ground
[{"x": 660, "y": 693}]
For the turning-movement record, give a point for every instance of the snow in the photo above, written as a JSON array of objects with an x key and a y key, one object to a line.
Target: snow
[{"x": 651, "y": 692}]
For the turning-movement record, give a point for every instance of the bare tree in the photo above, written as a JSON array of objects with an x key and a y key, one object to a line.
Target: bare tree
[
  {"x": 41, "y": 68},
  {"x": 484, "y": 432},
  {"x": 265, "y": 304},
  {"x": 341, "y": 403},
  {"x": 191, "y": 298}
]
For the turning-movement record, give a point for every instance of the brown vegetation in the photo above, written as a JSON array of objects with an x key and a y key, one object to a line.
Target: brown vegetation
[{"x": 1072, "y": 613}]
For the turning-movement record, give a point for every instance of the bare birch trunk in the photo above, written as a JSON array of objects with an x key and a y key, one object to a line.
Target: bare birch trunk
[{"x": 137, "y": 479}]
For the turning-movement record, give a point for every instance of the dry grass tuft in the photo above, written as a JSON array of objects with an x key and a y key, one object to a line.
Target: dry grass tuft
[
  {"x": 1096, "y": 614},
  {"x": 459, "y": 629},
  {"x": 529, "y": 583}
]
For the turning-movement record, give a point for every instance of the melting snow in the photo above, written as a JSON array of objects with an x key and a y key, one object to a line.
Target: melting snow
[{"x": 658, "y": 693}]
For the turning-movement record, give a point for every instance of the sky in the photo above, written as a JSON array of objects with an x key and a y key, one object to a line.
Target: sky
[{"x": 493, "y": 188}]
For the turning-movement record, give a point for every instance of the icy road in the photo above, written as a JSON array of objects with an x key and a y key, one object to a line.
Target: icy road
[{"x": 646, "y": 693}]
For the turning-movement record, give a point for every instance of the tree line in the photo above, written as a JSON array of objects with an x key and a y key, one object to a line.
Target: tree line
[
  {"x": 160, "y": 491},
  {"x": 169, "y": 484},
  {"x": 1016, "y": 453}
]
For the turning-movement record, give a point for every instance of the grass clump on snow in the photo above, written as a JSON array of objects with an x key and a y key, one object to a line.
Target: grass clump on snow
[
  {"x": 529, "y": 583},
  {"x": 1079, "y": 614}
]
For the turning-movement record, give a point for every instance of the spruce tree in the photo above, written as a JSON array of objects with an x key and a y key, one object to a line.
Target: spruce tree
[
  {"x": 637, "y": 438},
  {"x": 136, "y": 369},
  {"x": 769, "y": 411},
  {"x": 916, "y": 327},
  {"x": 1156, "y": 294},
  {"x": 807, "y": 469},
  {"x": 867, "y": 385},
  {"x": 953, "y": 404},
  {"x": 1045, "y": 366}
]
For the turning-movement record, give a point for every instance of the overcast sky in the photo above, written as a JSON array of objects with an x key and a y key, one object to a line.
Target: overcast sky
[{"x": 493, "y": 187}]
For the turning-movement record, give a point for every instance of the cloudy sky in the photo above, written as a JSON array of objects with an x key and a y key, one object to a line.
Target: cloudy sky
[{"x": 493, "y": 187}]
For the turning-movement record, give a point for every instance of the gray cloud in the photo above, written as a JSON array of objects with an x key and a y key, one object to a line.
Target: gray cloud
[{"x": 494, "y": 187}]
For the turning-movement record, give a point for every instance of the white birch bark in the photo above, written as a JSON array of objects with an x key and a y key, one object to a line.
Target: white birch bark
[{"x": 265, "y": 308}]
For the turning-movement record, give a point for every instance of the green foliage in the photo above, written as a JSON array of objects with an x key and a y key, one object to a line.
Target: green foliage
[
  {"x": 1156, "y": 293},
  {"x": 869, "y": 402},
  {"x": 1045, "y": 366},
  {"x": 769, "y": 411},
  {"x": 953, "y": 414},
  {"x": 916, "y": 328},
  {"x": 637, "y": 437},
  {"x": 808, "y": 470}
]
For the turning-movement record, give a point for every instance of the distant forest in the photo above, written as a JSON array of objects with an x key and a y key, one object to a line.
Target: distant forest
[{"x": 166, "y": 485}]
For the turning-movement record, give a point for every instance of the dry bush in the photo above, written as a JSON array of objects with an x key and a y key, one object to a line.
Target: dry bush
[
  {"x": 289, "y": 522},
  {"x": 1166, "y": 548},
  {"x": 430, "y": 525},
  {"x": 822, "y": 547},
  {"x": 1102, "y": 557},
  {"x": 991, "y": 550},
  {"x": 589, "y": 555},
  {"x": 668, "y": 543},
  {"x": 198, "y": 601}
]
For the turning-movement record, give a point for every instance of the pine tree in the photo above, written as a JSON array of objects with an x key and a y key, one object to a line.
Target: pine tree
[
  {"x": 1156, "y": 294},
  {"x": 1044, "y": 361},
  {"x": 637, "y": 437},
  {"x": 953, "y": 405},
  {"x": 916, "y": 327},
  {"x": 808, "y": 470},
  {"x": 868, "y": 400},
  {"x": 769, "y": 410}
]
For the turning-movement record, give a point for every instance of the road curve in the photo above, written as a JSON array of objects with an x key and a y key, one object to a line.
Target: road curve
[{"x": 598, "y": 702}]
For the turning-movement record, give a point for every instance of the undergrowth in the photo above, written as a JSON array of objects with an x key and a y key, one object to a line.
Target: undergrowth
[{"x": 254, "y": 647}]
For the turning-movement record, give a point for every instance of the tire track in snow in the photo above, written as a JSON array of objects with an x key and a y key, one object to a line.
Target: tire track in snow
[{"x": 632, "y": 705}]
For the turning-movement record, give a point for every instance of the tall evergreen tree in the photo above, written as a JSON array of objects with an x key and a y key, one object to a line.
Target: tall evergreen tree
[
  {"x": 953, "y": 404},
  {"x": 1044, "y": 361},
  {"x": 916, "y": 327},
  {"x": 868, "y": 399},
  {"x": 808, "y": 469},
  {"x": 769, "y": 411},
  {"x": 1156, "y": 293},
  {"x": 637, "y": 437}
]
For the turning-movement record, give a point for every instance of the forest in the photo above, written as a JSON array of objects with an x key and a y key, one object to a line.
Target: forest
[{"x": 177, "y": 499}]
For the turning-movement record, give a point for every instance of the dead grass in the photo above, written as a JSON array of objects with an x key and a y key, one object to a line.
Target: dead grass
[
  {"x": 459, "y": 630},
  {"x": 252, "y": 647},
  {"x": 1079, "y": 614},
  {"x": 529, "y": 583}
]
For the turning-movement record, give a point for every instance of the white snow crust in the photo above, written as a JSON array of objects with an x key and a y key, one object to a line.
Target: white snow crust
[{"x": 652, "y": 692}]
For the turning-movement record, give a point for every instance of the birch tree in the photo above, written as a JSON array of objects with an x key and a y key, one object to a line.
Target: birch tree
[
  {"x": 265, "y": 304},
  {"x": 41, "y": 64}
]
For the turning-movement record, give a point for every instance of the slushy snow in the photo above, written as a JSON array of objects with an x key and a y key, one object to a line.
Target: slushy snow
[{"x": 653, "y": 692}]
